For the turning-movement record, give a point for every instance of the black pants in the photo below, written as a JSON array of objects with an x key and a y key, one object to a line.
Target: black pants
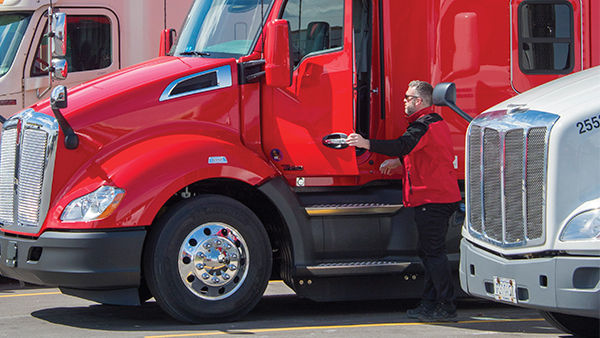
[{"x": 432, "y": 226}]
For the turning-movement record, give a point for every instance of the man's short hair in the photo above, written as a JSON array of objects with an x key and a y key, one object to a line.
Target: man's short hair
[{"x": 424, "y": 90}]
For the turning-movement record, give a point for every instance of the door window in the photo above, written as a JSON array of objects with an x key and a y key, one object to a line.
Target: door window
[
  {"x": 315, "y": 25},
  {"x": 546, "y": 37},
  {"x": 88, "y": 45}
]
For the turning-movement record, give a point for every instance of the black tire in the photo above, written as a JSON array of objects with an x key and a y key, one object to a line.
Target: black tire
[
  {"x": 575, "y": 325},
  {"x": 208, "y": 259}
]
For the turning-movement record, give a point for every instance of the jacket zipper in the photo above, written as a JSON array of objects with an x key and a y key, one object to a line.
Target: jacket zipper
[{"x": 409, "y": 182}]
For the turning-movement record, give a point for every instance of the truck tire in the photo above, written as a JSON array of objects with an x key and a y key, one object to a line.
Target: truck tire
[
  {"x": 575, "y": 325},
  {"x": 208, "y": 259}
]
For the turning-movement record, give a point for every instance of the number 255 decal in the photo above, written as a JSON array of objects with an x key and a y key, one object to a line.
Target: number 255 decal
[{"x": 588, "y": 124}]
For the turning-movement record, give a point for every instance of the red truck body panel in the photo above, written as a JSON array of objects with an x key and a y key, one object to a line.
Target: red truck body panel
[{"x": 128, "y": 136}]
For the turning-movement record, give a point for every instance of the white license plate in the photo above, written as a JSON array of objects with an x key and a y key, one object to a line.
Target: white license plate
[{"x": 505, "y": 289}]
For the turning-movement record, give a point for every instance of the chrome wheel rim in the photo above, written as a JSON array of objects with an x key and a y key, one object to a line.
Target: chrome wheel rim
[{"x": 213, "y": 261}]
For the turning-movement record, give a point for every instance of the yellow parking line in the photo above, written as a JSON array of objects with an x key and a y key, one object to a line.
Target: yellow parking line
[
  {"x": 304, "y": 328},
  {"x": 30, "y": 294}
]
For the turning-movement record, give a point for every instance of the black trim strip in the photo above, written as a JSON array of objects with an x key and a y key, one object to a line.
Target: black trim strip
[{"x": 381, "y": 62}]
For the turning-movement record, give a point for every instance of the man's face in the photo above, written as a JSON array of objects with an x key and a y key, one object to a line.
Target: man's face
[{"x": 412, "y": 101}]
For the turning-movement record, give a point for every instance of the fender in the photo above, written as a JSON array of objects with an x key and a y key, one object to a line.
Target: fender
[{"x": 151, "y": 170}]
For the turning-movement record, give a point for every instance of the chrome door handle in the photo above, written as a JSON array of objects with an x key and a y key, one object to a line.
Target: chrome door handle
[{"x": 335, "y": 141}]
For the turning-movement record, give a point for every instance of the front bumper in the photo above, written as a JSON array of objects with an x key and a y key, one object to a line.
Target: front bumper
[
  {"x": 559, "y": 284},
  {"x": 78, "y": 260}
]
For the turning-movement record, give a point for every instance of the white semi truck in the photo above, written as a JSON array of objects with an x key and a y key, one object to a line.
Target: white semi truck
[
  {"x": 531, "y": 235},
  {"x": 102, "y": 36}
]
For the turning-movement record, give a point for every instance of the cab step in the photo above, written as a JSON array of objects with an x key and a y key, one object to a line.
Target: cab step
[
  {"x": 357, "y": 268},
  {"x": 352, "y": 209}
]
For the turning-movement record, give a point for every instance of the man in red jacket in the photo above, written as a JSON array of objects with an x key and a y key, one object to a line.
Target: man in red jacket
[{"x": 430, "y": 187}]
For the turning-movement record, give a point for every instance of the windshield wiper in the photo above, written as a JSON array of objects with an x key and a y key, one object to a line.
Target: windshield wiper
[{"x": 196, "y": 53}]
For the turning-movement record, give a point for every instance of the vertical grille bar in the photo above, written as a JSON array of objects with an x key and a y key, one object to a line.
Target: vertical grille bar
[
  {"x": 513, "y": 186},
  {"x": 536, "y": 159},
  {"x": 475, "y": 178},
  {"x": 7, "y": 175},
  {"x": 31, "y": 176},
  {"x": 492, "y": 192}
]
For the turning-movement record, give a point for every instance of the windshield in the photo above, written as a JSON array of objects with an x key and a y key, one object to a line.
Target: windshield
[
  {"x": 222, "y": 28},
  {"x": 12, "y": 29}
]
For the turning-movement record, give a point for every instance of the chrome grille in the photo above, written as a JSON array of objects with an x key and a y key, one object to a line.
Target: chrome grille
[
  {"x": 28, "y": 148},
  {"x": 506, "y": 177}
]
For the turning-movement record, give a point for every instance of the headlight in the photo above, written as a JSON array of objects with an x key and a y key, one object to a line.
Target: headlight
[
  {"x": 584, "y": 226},
  {"x": 96, "y": 205}
]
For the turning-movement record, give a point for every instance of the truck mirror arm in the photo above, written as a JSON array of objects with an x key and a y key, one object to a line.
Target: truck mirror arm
[
  {"x": 444, "y": 94},
  {"x": 251, "y": 71},
  {"x": 58, "y": 99}
]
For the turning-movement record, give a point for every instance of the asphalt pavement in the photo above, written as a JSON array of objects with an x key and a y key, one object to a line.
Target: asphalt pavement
[{"x": 31, "y": 311}]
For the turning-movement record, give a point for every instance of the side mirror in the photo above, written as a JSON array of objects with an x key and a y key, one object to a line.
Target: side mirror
[
  {"x": 444, "y": 94},
  {"x": 58, "y": 97},
  {"x": 60, "y": 69},
  {"x": 167, "y": 38},
  {"x": 59, "y": 35},
  {"x": 278, "y": 61}
]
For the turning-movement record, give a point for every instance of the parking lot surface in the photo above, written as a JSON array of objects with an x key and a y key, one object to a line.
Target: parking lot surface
[{"x": 28, "y": 311}]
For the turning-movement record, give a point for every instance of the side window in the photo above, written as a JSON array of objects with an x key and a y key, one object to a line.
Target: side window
[
  {"x": 546, "y": 38},
  {"x": 315, "y": 25},
  {"x": 89, "y": 45}
]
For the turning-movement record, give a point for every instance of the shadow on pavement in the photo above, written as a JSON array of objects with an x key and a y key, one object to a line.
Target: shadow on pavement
[{"x": 290, "y": 311}]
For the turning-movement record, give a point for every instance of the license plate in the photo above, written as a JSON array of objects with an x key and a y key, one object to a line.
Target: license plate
[{"x": 505, "y": 289}]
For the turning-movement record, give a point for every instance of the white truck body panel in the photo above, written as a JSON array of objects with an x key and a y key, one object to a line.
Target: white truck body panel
[{"x": 547, "y": 273}]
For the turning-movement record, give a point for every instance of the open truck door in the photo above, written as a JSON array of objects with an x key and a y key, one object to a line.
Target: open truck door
[{"x": 305, "y": 122}]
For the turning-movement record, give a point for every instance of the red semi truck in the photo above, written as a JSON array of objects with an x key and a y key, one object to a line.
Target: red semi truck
[{"x": 198, "y": 176}]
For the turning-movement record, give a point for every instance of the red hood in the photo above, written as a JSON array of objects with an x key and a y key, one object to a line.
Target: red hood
[{"x": 155, "y": 74}]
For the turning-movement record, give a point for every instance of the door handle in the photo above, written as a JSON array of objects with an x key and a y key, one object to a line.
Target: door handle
[{"x": 335, "y": 141}]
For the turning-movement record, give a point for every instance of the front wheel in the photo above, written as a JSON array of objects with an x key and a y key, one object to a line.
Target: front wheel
[
  {"x": 576, "y": 325},
  {"x": 208, "y": 259}
]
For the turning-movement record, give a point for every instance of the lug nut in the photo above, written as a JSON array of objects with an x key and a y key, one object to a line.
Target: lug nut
[
  {"x": 205, "y": 276},
  {"x": 199, "y": 266},
  {"x": 226, "y": 276}
]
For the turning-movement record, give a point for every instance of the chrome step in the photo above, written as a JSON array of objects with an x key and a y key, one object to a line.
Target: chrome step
[
  {"x": 352, "y": 209},
  {"x": 357, "y": 268}
]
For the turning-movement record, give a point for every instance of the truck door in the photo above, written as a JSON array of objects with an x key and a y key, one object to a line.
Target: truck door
[
  {"x": 299, "y": 123},
  {"x": 546, "y": 41},
  {"x": 92, "y": 50}
]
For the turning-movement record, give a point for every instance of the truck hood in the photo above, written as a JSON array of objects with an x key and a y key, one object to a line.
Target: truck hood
[
  {"x": 127, "y": 90},
  {"x": 570, "y": 95}
]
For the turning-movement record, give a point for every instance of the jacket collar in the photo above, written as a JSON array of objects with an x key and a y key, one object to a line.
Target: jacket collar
[{"x": 419, "y": 113}]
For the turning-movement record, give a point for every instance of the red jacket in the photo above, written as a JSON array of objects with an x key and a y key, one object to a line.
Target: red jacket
[{"x": 426, "y": 153}]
